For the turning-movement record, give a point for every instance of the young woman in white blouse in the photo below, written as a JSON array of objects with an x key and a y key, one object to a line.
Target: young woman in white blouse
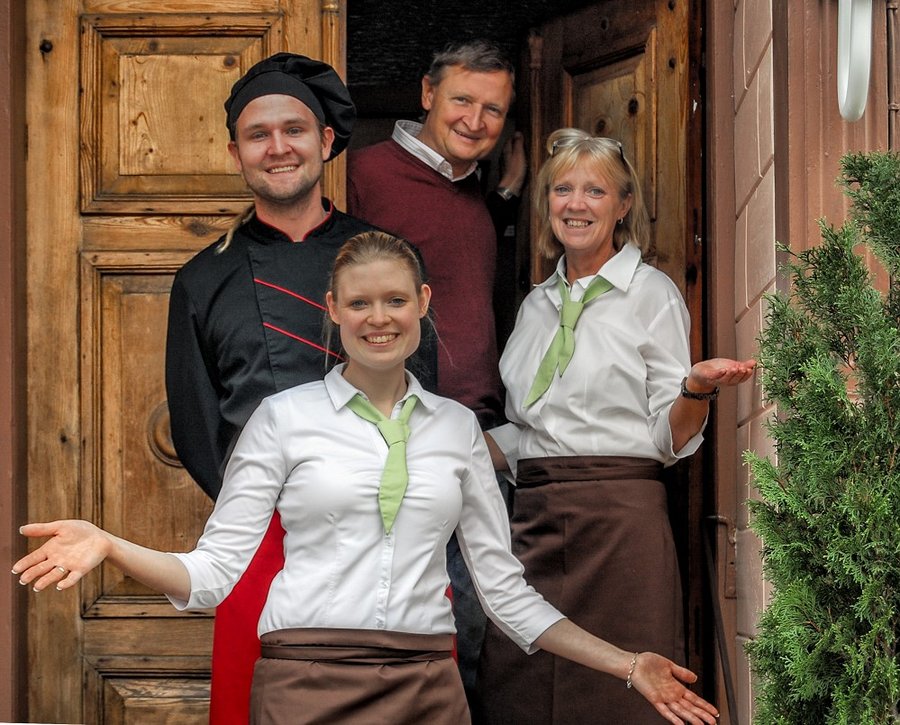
[
  {"x": 357, "y": 627},
  {"x": 590, "y": 431}
]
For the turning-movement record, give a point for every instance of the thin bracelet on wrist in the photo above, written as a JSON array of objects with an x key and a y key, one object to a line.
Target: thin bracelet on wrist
[{"x": 628, "y": 683}]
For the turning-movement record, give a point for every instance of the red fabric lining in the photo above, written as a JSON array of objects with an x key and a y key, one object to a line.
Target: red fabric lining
[
  {"x": 235, "y": 637},
  {"x": 288, "y": 292},
  {"x": 301, "y": 339}
]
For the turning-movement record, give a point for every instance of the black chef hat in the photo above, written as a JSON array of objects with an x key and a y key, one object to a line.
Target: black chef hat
[{"x": 314, "y": 83}]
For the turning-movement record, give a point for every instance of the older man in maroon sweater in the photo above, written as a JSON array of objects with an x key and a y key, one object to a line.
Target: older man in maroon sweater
[{"x": 420, "y": 184}]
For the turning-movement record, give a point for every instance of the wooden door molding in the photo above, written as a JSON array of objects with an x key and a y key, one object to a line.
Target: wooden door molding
[
  {"x": 54, "y": 431},
  {"x": 128, "y": 176},
  {"x": 131, "y": 477},
  {"x": 12, "y": 354},
  {"x": 615, "y": 81},
  {"x": 149, "y": 144}
]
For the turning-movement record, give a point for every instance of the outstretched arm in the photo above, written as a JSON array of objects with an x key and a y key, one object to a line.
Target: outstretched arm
[
  {"x": 75, "y": 547},
  {"x": 658, "y": 679},
  {"x": 687, "y": 415}
]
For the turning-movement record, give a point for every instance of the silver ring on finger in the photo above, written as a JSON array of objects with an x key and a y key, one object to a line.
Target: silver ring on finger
[{"x": 62, "y": 570}]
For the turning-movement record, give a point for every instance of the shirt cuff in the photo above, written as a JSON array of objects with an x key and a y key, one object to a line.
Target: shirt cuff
[
  {"x": 179, "y": 604},
  {"x": 506, "y": 437},
  {"x": 689, "y": 448},
  {"x": 666, "y": 446}
]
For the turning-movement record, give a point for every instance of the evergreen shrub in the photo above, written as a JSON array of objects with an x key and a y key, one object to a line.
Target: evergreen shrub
[{"x": 829, "y": 509}]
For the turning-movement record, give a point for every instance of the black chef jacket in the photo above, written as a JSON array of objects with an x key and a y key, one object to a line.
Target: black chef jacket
[{"x": 246, "y": 323}]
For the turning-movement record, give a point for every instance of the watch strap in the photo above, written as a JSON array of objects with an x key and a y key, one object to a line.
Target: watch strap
[{"x": 691, "y": 395}]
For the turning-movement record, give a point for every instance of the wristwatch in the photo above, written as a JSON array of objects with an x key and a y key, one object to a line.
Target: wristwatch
[
  {"x": 505, "y": 193},
  {"x": 690, "y": 394}
]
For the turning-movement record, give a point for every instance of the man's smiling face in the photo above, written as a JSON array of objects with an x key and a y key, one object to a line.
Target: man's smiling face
[
  {"x": 279, "y": 149},
  {"x": 466, "y": 113}
]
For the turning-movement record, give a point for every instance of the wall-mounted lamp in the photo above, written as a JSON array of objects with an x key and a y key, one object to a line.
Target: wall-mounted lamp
[{"x": 854, "y": 56}]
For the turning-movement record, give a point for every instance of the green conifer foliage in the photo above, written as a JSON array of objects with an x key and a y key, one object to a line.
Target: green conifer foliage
[{"x": 829, "y": 514}]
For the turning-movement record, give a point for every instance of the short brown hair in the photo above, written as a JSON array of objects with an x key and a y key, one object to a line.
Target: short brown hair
[{"x": 479, "y": 56}]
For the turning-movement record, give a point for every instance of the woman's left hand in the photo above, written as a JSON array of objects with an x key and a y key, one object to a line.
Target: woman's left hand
[
  {"x": 706, "y": 375},
  {"x": 661, "y": 681}
]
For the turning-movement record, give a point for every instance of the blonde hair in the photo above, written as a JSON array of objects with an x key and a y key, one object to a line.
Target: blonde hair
[
  {"x": 239, "y": 221},
  {"x": 569, "y": 147},
  {"x": 368, "y": 247}
]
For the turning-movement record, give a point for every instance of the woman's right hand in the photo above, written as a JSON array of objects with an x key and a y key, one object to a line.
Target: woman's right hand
[{"x": 71, "y": 551}]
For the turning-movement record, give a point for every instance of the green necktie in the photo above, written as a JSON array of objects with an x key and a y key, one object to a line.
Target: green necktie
[
  {"x": 395, "y": 432},
  {"x": 562, "y": 346}
]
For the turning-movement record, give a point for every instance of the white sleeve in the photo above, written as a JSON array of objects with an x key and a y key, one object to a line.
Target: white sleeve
[
  {"x": 484, "y": 538},
  {"x": 507, "y": 437},
  {"x": 668, "y": 360},
  {"x": 253, "y": 481}
]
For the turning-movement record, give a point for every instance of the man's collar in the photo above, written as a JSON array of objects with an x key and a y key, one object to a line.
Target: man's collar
[
  {"x": 406, "y": 134},
  {"x": 263, "y": 232}
]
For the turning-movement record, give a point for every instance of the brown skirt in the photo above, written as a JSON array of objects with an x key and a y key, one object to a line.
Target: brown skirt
[
  {"x": 353, "y": 676},
  {"x": 594, "y": 537}
]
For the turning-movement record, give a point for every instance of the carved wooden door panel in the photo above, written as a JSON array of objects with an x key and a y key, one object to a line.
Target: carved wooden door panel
[
  {"x": 128, "y": 176},
  {"x": 622, "y": 70},
  {"x": 629, "y": 71}
]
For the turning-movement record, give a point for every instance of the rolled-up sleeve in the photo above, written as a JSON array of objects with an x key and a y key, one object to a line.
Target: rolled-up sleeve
[{"x": 253, "y": 481}]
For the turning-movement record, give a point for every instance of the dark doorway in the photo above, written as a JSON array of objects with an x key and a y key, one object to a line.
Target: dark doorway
[
  {"x": 390, "y": 44},
  {"x": 389, "y": 48}
]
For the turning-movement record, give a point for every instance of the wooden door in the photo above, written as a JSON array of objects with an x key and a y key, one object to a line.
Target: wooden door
[
  {"x": 630, "y": 71},
  {"x": 128, "y": 176}
]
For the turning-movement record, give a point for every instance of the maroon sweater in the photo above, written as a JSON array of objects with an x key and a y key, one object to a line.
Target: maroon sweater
[{"x": 450, "y": 224}]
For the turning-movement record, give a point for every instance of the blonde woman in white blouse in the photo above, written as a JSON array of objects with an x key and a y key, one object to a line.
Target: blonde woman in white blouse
[
  {"x": 357, "y": 627},
  {"x": 587, "y": 442}
]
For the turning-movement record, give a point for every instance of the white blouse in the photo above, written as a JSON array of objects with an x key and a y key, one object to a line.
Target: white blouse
[
  {"x": 307, "y": 455},
  {"x": 631, "y": 353}
]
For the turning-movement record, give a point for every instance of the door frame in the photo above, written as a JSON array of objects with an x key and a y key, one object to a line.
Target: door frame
[
  {"x": 718, "y": 167},
  {"x": 13, "y": 598},
  {"x": 694, "y": 477}
]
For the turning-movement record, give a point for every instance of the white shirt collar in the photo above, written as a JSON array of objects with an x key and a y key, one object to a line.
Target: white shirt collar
[
  {"x": 618, "y": 271},
  {"x": 406, "y": 133},
  {"x": 341, "y": 391}
]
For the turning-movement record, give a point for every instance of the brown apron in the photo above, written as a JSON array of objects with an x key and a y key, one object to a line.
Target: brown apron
[
  {"x": 355, "y": 676},
  {"x": 594, "y": 537}
]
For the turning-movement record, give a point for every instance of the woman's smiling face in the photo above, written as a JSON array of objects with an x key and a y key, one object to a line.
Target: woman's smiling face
[
  {"x": 378, "y": 310},
  {"x": 584, "y": 210}
]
